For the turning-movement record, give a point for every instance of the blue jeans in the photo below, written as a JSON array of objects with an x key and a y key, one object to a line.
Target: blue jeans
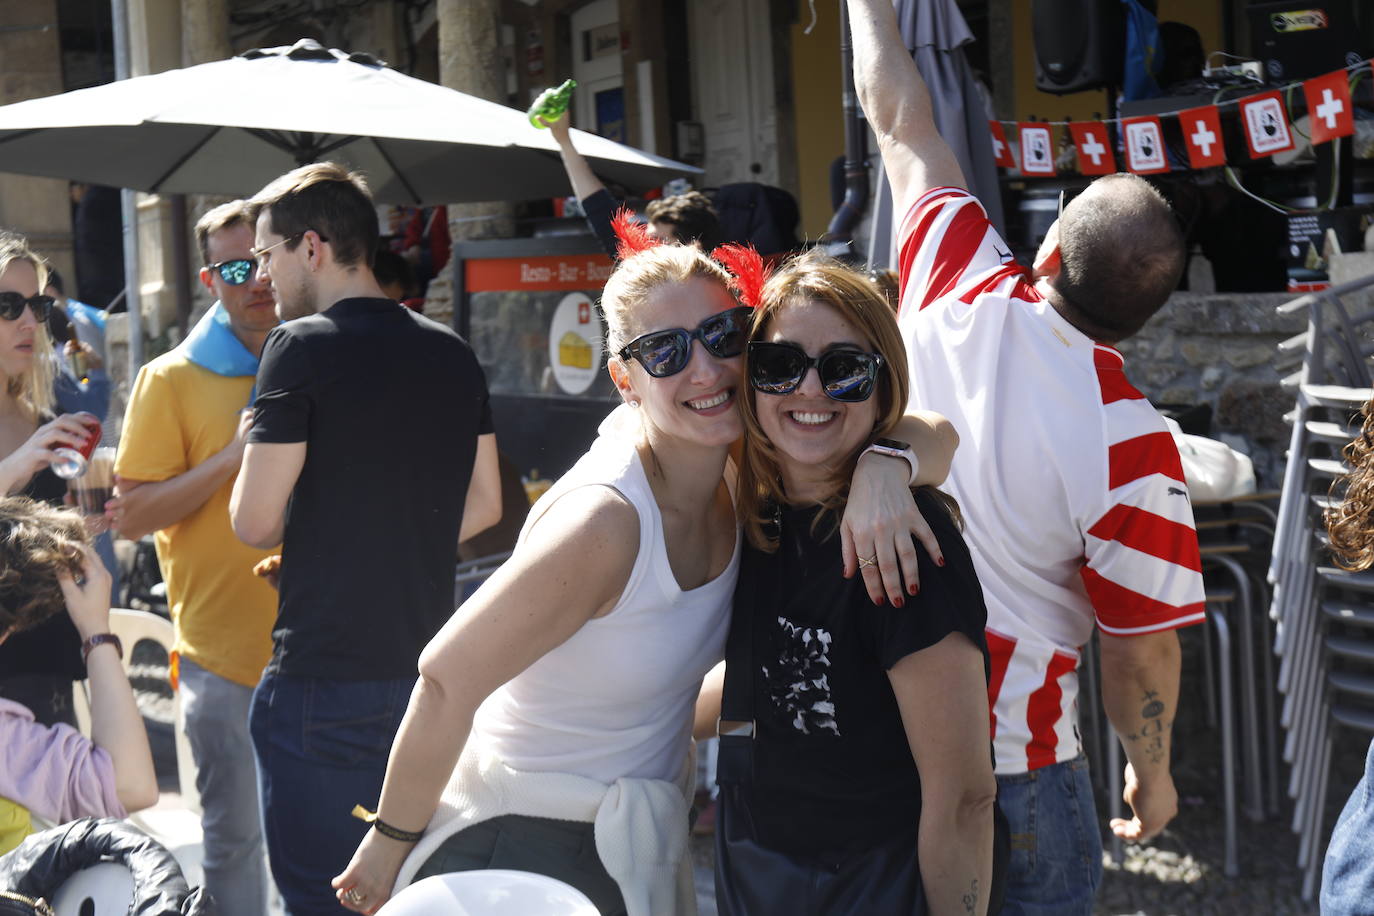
[
  {"x": 1348, "y": 872},
  {"x": 1056, "y": 849},
  {"x": 216, "y": 711},
  {"x": 322, "y": 747}
]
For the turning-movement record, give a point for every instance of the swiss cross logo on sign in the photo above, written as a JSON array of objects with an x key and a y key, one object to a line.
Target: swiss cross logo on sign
[
  {"x": 1037, "y": 149},
  {"x": 1001, "y": 150},
  {"x": 1328, "y": 102},
  {"x": 1266, "y": 126},
  {"x": 1094, "y": 148},
  {"x": 1202, "y": 132},
  {"x": 1145, "y": 146}
]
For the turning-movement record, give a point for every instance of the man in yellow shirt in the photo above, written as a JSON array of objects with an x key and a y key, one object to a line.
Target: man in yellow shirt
[{"x": 183, "y": 441}]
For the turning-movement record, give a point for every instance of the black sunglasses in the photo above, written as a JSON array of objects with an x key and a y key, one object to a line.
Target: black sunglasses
[
  {"x": 12, "y": 305},
  {"x": 235, "y": 271},
  {"x": 846, "y": 375},
  {"x": 667, "y": 352}
]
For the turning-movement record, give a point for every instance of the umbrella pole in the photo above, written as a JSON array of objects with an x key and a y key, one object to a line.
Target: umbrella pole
[{"x": 119, "y": 14}]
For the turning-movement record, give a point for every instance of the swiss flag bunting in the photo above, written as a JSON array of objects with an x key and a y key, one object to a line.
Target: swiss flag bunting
[
  {"x": 1037, "y": 148},
  {"x": 1001, "y": 150},
  {"x": 1145, "y": 153},
  {"x": 1094, "y": 147},
  {"x": 1265, "y": 124},
  {"x": 1202, "y": 132},
  {"x": 1262, "y": 118},
  {"x": 1328, "y": 107}
]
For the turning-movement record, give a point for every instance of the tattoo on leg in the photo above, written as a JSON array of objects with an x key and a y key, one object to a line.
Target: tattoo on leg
[{"x": 971, "y": 898}]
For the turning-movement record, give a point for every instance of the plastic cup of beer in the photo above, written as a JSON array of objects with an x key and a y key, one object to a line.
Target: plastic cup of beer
[{"x": 94, "y": 488}]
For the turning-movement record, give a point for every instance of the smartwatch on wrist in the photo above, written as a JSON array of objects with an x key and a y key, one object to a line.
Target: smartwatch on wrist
[{"x": 896, "y": 448}]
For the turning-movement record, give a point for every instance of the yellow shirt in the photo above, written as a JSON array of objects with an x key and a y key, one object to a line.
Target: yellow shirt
[
  {"x": 179, "y": 415},
  {"x": 15, "y": 824}
]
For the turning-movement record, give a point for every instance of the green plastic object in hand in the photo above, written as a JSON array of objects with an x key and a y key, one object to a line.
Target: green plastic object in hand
[{"x": 551, "y": 103}]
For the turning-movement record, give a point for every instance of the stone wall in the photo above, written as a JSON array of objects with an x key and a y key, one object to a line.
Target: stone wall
[{"x": 1219, "y": 349}]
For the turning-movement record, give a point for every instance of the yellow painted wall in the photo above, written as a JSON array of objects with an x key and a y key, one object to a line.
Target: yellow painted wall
[
  {"x": 1203, "y": 15},
  {"x": 820, "y": 123}
]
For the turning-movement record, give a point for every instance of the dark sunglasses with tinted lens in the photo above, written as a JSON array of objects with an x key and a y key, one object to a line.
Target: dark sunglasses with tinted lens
[
  {"x": 235, "y": 272},
  {"x": 667, "y": 352},
  {"x": 846, "y": 375},
  {"x": 12, "y": 305}
]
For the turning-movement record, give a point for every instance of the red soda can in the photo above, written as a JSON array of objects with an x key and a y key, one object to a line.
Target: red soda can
[{"x": 71, "y": 462}]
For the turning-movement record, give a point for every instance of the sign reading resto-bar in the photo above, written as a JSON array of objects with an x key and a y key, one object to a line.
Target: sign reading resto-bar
[{"x": 546, "y": 272}]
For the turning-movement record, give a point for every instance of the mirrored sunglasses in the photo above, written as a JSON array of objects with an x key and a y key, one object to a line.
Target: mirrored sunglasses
[
  {"x": 846, "y": 375},
  {"x": 667, "y": 352},
  {"x": 12, "y": 305},
  {"x": 236, "y": 271}
]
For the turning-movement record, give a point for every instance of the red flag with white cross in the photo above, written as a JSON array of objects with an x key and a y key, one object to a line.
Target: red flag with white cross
[
  {"x": 1328, "y": 107},
  {"x": 1145, "y": 145},
  {"x": 1202, "y": 133},
  {"x": 1266, "y": 125},
  {"x": 1037, "y": 148},
  {"x": 1001, "y": 150},
  {"x": 1094, "y": 147}
]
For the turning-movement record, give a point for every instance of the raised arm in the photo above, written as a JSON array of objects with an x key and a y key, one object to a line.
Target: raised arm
[
  {"x": 942, "y": 695},
  {"x": 572, "y": 567},
  {"x": 897, "y": 104},
  {"x": 580, "y": 174},
  {"x": 116, "y": 724},
  {"x": 1140, "y": 695}
]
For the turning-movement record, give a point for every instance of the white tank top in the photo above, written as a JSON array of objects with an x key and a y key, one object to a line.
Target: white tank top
[{"x": 616, "y": 700}]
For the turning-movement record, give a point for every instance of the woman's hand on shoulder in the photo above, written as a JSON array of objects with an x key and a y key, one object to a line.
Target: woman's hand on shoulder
[{"x": 880, "y": 520}]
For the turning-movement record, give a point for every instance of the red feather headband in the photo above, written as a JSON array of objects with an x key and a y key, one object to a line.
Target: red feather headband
[
  {"x": 634, "y": 236},
  {"x": 748, "y": 273}
]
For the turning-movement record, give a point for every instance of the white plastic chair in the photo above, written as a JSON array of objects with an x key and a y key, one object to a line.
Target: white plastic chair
[
  {"x": 101, "y": 890},
  {"x": 490, "y": 892},
  {"x": 174, "y": 825}
]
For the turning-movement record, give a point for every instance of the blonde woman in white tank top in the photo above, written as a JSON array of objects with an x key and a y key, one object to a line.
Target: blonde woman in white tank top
[{"x": 567, "y": 682}]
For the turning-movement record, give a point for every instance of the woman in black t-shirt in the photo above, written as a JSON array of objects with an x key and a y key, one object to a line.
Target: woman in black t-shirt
[
  {"x": 859, "y": 777},
  {"x": 37, "y": 667}
]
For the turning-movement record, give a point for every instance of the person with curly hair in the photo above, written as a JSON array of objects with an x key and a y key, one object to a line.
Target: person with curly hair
[
  {"x": 1348, "y": 872},
  {"x": 47, "y": 564}
]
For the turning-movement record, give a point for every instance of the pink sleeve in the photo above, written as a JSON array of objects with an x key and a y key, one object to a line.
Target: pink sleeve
[{"x": 57, "y": 773}]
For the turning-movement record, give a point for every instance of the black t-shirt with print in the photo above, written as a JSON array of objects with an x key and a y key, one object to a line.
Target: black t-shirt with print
[
  {"x": 389, "y": 405},
  {"x": 833, "y": 773}
]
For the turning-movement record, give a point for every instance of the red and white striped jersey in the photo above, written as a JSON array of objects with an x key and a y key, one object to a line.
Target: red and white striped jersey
[{"x": 1071, "y": 486}]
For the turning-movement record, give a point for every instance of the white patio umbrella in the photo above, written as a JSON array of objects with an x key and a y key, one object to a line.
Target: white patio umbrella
[{"x": 230, "y": 126}]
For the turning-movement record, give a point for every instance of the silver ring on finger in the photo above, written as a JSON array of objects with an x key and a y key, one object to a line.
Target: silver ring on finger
[{"x": 353, "y": 897}]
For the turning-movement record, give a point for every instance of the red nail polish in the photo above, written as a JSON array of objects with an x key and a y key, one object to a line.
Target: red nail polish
[
  {"x": 913, "y": 588},
  {"x": 940, "y": 561},
  {"x": 898, "y": 601},
  {"x": 882, "y": 600}
]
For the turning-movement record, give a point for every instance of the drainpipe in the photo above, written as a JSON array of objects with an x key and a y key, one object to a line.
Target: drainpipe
[{"x": 839, "y": 234}]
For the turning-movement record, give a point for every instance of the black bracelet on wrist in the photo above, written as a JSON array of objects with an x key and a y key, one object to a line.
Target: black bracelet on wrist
[
  {"x": 100, "y": 639},
  {"x": 385, "y": 829}
]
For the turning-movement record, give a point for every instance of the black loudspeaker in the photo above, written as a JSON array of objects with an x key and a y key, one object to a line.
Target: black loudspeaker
[{"x": 1079, "y": 44}]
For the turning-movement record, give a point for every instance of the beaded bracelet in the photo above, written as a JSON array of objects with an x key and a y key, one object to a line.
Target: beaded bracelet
[{"x": 385, "y": 829}]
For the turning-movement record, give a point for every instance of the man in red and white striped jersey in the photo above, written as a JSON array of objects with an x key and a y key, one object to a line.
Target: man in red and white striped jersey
[{"x": 1071, "y": 486}]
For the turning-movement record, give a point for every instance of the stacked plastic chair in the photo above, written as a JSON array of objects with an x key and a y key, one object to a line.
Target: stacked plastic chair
[{"x": 1322, "y": 615}]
